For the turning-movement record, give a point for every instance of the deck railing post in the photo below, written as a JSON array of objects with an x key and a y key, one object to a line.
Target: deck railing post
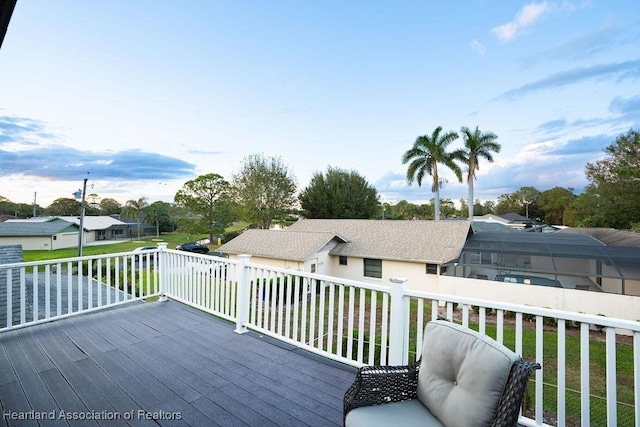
[
  {"x": 397, "y": 321},
  {"x": 244, "y": 294},
  {"x": 162, "y": 264}
]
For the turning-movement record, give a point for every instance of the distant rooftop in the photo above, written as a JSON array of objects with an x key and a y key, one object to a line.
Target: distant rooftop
[{"x": 608, "y": 236}]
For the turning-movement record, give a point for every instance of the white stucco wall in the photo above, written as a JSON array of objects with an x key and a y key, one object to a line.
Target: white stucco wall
[
  {"x": 33, "y": 243},
  {"x": 596, "y": 303},
  {"x": 42, "y": 243},
  {"x": 354, "y": 270},
  {"x": 66, "y": 240},
  {"x": 272, "y": 262}
]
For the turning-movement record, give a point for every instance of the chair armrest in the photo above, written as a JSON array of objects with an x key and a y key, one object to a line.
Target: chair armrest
[
  {"x": 513, "y": 393},
  {"x": 375, "y": 385}
]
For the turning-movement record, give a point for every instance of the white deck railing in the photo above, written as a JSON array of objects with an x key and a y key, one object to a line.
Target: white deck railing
[
  {"x": 36, "y": 292},
  {"x": 591, "y": 364}
]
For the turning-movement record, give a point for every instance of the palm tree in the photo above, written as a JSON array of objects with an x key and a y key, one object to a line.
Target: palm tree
[
  {"x": 477, "y": 145},
  {"x": 135, "y": 208},
  {"x": 423, "y": 159},
  {"x": 155, "y": 213}
]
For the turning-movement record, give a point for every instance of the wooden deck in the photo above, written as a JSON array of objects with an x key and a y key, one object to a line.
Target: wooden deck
[{"x": 162, "y": 363}]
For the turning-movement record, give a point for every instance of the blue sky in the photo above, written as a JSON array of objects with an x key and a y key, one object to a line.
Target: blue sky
[{"x": 141, "y": 96}]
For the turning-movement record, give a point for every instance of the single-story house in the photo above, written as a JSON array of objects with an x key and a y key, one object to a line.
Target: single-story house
[
  {"x": 366, "y": 250},
  {"x": 52, "y": 234},
  {"x": 56, "y": 232},
  {"x": 300, "y": 251},
  {"x": 100, "y": 227}
]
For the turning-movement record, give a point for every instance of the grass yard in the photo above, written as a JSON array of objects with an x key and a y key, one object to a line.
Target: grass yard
[{"x": 172, "y": 239}]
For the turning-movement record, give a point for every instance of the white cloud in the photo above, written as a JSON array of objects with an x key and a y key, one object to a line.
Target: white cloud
[
  {"x": 478, "y": 47},
  {"x": 526, "y": 17}
]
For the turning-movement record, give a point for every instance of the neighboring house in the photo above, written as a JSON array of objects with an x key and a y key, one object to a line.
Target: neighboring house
[
  {"x": 48, "y": 233},
  {"x": 491, "y": 226},
  {"x": 561, "y": 259},
  {"x": 517, "y": 221},
  {"x": 100, "y": 227},
  {"x": 512, "y": 220},
  {"x": 366, "y": 250},
  {"x": 39, "y": 235},
  {"x": 301, "y": 251},
  {"x": 490, "y": 218},
  {"x": 543, "y": 228}
]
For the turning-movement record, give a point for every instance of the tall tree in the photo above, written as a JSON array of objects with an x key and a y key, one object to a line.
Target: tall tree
[
  {"x": 135, "y": 209},
  {"x": 448, "y": 208},
  {"x": 615, "y": 181},
  {"x": 206, "y": 202},
  {"x": 3, "y": 201},
  {"x": 93, "y": 198},
  {"x": 477, "y": 145},
  {"x": 339, "y": 194},
  {"x": 507, "y": 203},
  {"x": 464, "y": 208},
  {"x": 427, "y": 152},
  {"x": 488, "y": 207},
  {"x": 404, "y": 210},
  {"x": 155, "y": 213},
  {"x": 64, "y": 206},
  {"x": 265, "y": 189},
  {"x": 555, "y": 204},
  {"x": 529, "y": 198},
  {"x": 109, "y": 206}
]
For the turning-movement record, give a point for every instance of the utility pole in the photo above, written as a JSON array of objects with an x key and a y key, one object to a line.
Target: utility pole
[
  {"x": 34, "y": 204},
  {"x": 81, "y": 231}
]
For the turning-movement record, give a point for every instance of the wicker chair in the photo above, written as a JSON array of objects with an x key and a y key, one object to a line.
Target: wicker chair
[{"x": 463, "y": 379}]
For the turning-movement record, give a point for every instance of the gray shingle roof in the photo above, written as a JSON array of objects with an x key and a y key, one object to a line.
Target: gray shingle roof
[
  {"x": 36, "y": 228},
  {"x": 422, "y": 241},
  {"x": 279, "y": 244},
  {"x": 608, "y": 236}
]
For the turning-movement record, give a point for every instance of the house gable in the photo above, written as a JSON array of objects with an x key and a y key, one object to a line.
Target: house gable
[{"x": 284, "y": 245}]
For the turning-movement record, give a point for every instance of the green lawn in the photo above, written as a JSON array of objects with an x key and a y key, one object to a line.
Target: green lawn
[{"x": 172, "y": 239}]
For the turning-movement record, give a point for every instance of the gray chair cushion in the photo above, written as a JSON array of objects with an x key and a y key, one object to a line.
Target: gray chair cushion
[
  {"x": 462, "y": 374},
  {"x": 409, "y": 413}
]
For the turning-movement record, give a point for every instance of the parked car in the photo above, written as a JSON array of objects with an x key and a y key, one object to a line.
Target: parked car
[
  {"x": 145, "y": 248},
  {"x": 193, "y": 247}
]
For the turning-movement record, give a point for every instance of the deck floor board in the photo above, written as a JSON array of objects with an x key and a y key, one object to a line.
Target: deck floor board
[{"x": 164, "y": 363}]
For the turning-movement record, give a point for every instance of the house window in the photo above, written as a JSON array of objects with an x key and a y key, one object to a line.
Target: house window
[
  {"x": 432, "y": 268},
  {"x": 313, "y": 268},
  {"x": 342, "y": 260},
  {"x": 373, "y": 268}
]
